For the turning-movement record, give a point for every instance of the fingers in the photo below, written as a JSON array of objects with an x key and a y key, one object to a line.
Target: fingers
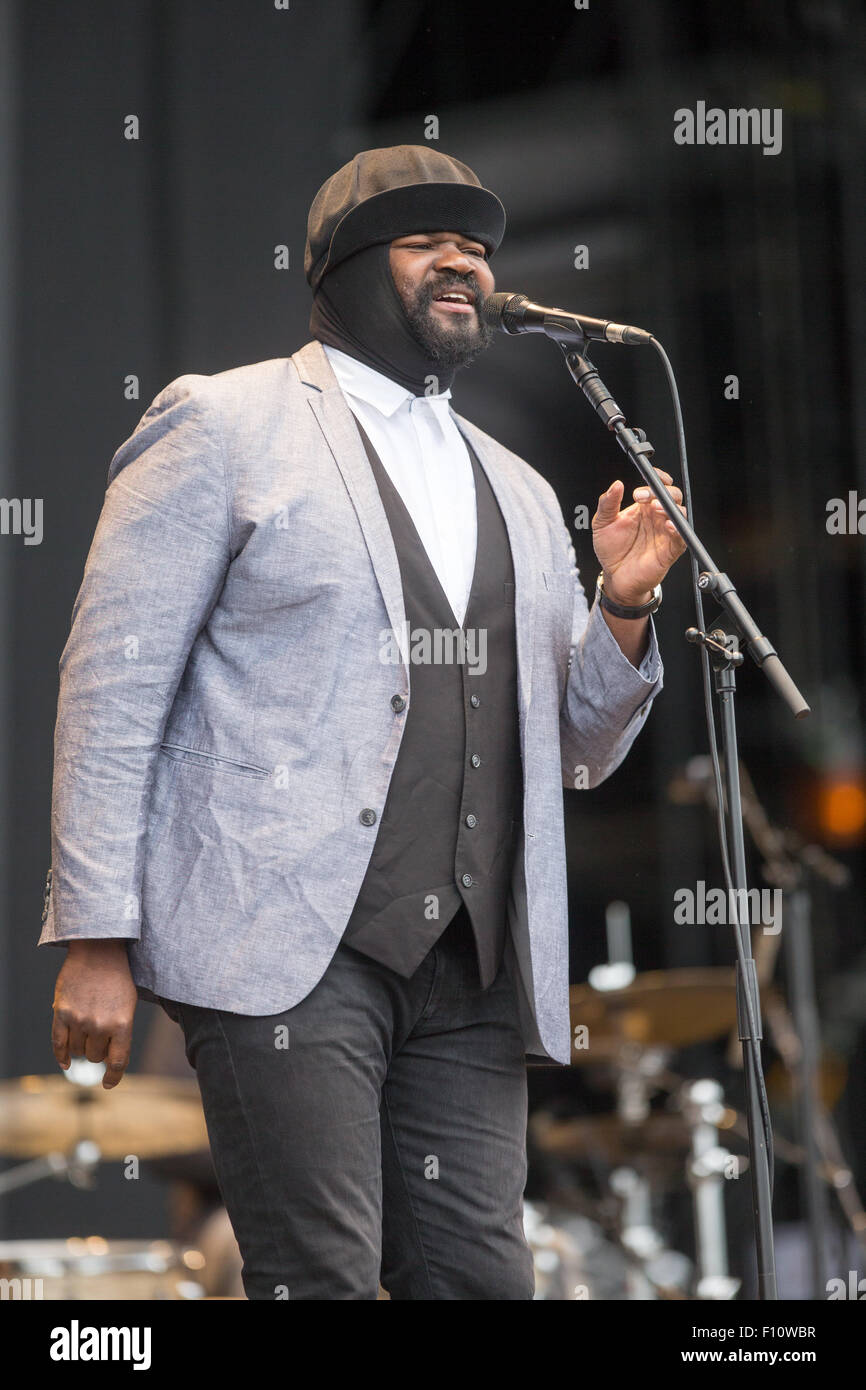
[
  {"x": 78, "y": 1038},
  {"x": 94, "y": 1008},
  {"x": 609, "y": 501},
  {"x": 117, "y": 1058},
  {"x": 96, "y": 1046},
  {"x": 77, "y": 1035},
  {"x": 608, "y": 505},
  {"x": 60, "y": 1042},
  {"x": 109, "y": 1043},
  {"x": 644, "y": 494}
]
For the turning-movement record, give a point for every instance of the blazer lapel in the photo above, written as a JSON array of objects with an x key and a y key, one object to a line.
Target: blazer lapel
[{"x": 340, "y": 429}]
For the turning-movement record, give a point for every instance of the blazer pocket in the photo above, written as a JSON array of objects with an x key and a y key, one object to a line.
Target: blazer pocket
[
  {"x": 181, "y": 754},
  {"x": 558, "y": 581}
]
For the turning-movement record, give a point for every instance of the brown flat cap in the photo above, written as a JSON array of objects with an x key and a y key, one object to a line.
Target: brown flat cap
[{"x": 386, "y": 193}]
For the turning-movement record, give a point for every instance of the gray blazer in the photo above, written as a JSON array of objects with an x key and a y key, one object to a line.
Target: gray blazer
[{"x": 225, "y": 714}]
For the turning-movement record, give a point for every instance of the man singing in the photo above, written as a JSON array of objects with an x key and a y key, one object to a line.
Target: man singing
[{"x": 329, "y": 669}]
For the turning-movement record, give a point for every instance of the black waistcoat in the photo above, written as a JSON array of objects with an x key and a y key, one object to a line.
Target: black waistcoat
[{"x": 449, "y": 822}]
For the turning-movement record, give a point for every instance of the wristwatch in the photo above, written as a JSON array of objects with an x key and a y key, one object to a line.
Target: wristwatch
[{"x": 620, "y": 611}]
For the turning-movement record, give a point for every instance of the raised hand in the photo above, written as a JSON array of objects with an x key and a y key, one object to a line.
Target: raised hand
[{"x": 636, "y": 546}]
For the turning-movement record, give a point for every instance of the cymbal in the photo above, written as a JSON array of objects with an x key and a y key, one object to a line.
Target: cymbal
[
  {"x": 662, "y": 1008},
  {"x": 149, "y": 1116},
  {"x": 609, "y": 1138}
]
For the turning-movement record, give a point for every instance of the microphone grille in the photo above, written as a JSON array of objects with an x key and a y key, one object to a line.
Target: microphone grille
[{"x": 496, "y": 307}]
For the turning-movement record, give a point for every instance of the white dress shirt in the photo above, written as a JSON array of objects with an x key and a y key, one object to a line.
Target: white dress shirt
[{"x": 425, "y": 456}]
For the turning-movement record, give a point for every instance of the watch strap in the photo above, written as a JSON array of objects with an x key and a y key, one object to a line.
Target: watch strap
[{"x": 619, "y": 610}]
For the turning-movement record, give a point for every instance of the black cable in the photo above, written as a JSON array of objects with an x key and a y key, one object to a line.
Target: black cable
[{"x": 709, "y": 714}]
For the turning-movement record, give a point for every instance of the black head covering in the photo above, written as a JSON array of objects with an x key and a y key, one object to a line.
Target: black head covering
[{"x": 377, "y": 196}]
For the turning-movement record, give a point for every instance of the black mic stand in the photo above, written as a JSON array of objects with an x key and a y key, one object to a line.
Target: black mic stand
[
  {"x": 723, "y": 646},
  {"x": 793, "y": 867}
]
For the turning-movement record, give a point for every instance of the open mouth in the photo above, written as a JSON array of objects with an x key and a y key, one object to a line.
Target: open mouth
[{"x": 455, "y": 302}]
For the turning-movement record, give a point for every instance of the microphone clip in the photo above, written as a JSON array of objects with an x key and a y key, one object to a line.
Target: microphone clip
[{"x": 587, "y": 378}]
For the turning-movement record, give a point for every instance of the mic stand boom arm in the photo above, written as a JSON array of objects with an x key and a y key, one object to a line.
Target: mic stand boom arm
[{"x": 725, "y": 659}]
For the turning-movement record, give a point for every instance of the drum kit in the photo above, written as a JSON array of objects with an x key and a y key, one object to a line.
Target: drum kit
[
  {"x": 627, "y": 1026},
  {"x": 612, "y": 1177},
  {"x": 663, "y": 1135},
  {"x": 64, "y": 1127}
]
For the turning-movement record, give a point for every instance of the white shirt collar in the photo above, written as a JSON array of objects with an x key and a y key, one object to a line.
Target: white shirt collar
[{"x": 357, "y": 379}]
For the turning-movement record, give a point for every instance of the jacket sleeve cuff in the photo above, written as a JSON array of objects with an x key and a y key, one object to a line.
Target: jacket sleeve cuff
[{"x": 650, "y": 668}]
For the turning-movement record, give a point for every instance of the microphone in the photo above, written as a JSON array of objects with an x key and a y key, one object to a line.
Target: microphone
[{"x": 514, "y": 313}]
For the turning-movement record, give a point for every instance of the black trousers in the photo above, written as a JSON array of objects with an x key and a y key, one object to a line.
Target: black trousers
[{"x": 377, "y": 1130}]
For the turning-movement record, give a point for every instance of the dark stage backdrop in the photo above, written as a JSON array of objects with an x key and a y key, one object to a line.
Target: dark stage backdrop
[{"x": 155, "y": 155}]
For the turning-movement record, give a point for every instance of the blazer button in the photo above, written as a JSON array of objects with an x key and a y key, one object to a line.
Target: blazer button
[
  {"x": 367, "y": 816},
  {"x": 475, "y": 760},
  {"x": 398, "y": 703},
  {"x": 471, "y": 821},
  {"x": 466, "y": 880},
  {"x": 474, "y": 701}
]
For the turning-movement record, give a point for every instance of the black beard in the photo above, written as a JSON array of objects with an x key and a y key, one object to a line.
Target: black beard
[{"x": 452, "y": 347}]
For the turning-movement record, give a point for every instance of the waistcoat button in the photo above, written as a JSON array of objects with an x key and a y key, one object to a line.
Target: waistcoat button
[
  {"x": 367, "y": 816},
  {"x": 398, "y": 703}
]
